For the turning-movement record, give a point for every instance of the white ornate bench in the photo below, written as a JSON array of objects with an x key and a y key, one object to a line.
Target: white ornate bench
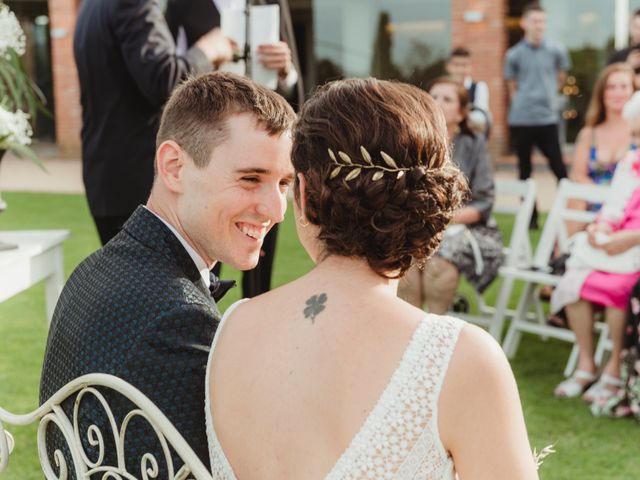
[{"x": 80, "y": 389}]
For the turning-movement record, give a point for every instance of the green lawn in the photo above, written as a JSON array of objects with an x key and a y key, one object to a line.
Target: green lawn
[{"x": 587, "y": 448}]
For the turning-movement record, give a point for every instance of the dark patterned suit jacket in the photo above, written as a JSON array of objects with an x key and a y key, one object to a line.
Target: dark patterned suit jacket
[{"x": 138, "y": 309}]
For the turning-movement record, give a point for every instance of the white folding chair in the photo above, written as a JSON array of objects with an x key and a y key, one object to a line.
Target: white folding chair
[
  {"x": 554, "y": 235},
  {"x": 517, "y": 198}
]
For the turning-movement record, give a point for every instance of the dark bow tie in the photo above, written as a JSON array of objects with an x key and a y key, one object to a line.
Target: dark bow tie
[{"x": 219, "y": 288}]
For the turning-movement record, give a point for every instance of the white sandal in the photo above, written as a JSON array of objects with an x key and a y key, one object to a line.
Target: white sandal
[
  {"x": 606, "y": 387},
  {"x": 572, "y": 387}
]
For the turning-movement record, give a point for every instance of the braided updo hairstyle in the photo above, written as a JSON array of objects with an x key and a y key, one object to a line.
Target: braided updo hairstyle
[{"x": 393, "y": 221}]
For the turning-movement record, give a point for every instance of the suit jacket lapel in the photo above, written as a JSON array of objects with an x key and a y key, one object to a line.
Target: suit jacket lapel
[{"x": 149, "y": 230}]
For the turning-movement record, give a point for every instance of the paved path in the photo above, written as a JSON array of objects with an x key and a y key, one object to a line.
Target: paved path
[{"x": 62, "y": 176}]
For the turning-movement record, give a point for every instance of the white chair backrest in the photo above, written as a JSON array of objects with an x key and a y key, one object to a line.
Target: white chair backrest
[
  {"x": 517, "y": 197},
  {"x": 52, "y": 413},
  {"x": 555, "y": 228}
]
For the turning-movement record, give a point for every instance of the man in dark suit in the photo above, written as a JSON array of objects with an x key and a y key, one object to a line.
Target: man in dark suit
[
  {"x": 188, "y": 20},
  {"x": 140, "y": 308},
  {"x": 127, "y": 67}
]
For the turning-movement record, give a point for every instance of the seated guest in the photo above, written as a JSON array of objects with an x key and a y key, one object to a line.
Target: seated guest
[
  {"x": 601, "y": 272},
  {"x": 606, "y": 136},
  {"x": 601, "y": 143},
  {"x": 627, "y": 402},
  {"x": 473, "y": 244}
]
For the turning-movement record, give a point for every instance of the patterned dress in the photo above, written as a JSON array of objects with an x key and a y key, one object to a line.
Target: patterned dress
[{"x": 601, "y": 172}]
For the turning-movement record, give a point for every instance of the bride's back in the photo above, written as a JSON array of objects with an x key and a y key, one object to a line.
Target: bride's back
[{"x": 289, "y": 393}]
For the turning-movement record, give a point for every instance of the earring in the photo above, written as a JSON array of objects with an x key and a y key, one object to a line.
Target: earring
[{"x": 303, "y": 222}]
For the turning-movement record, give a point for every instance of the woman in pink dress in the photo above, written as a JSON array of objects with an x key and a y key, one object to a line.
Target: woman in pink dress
[{"x": 615, "y": 234}]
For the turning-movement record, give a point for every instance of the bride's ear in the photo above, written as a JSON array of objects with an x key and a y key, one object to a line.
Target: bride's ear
[{"x": 302, "y": 193}]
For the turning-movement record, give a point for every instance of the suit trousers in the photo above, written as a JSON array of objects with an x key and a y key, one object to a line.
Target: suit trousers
[{"x": 545, "y": 137}]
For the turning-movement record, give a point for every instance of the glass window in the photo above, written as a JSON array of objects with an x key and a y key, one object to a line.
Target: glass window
[
  {"x": 400, "y": 39},
  {"x": 586, "y": 29}
]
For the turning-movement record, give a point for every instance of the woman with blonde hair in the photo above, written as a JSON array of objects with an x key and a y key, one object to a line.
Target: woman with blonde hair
[{"x": 606, "y": 136}]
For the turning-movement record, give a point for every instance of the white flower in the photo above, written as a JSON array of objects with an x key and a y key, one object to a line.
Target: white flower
[
  {"x": 11, "y": 34},
  {"x": 14, "y": 128}
]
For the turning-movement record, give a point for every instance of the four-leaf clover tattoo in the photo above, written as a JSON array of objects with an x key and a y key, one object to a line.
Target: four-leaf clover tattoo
[{"x": 315, "y": 305}]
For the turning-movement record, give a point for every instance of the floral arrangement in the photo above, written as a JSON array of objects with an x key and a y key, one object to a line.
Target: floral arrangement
[
  {"x": 12, "y": 37},
  {"x": 20, "y": 98}
]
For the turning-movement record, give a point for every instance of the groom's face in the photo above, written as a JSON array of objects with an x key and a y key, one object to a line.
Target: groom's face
[{"x": 229, "y": 206}]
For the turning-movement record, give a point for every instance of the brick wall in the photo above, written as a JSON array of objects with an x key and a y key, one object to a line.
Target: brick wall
[
  {"x": 487, "y": 41},
  {"x": 66, "y": 91}
]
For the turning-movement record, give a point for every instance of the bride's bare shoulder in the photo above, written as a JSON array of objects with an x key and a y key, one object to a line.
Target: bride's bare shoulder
[
  {"x": 479, "y": 373},
  {"x": 477, "y": 369},
  {"x": 477, "y": 355}
]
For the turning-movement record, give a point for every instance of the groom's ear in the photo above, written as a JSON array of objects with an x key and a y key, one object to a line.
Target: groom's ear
[{"x": 170, "y": 160}]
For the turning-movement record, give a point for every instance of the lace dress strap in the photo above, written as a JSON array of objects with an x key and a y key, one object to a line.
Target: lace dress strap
[{"x": 220, "y": 466}]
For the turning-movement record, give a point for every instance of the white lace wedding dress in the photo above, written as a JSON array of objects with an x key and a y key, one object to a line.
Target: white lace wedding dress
[{"x": 399, "y": 439}]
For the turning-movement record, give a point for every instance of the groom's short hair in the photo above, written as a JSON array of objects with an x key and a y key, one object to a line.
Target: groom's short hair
[{"x": 196, "y": 113}]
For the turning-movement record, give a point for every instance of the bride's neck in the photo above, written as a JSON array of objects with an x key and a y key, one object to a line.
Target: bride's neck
[{"x": 354, "y": 272}]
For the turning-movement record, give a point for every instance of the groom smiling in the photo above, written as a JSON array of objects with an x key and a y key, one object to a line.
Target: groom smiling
[{"x": 141, "y": 307}]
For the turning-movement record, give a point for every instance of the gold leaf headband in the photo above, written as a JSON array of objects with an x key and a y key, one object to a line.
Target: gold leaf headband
[{"x": 356, "y": 168}]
